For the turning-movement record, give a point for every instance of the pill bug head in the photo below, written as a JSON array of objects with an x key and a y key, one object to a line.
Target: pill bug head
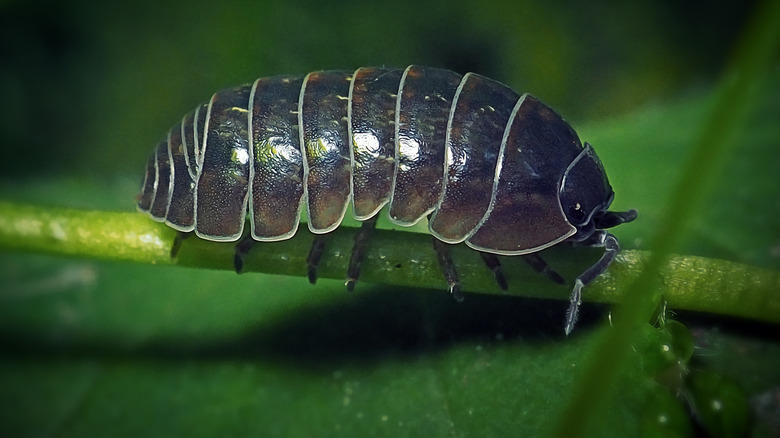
[{"x": 586, "y": 195}]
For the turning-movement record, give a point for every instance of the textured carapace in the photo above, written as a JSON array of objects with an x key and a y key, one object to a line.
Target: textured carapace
[{"x": 498, "y": 170}]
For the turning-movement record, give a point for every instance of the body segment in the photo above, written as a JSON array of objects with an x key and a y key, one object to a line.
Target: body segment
[
  {"x": 373, "y": 97},
  {"x": 422, "y": 114},
  {"x": 479, "y": 118},
  {"x": 537, "y": 149},
  {"x": 276, "y": 171},
  {"x": 323, "y": 126}
]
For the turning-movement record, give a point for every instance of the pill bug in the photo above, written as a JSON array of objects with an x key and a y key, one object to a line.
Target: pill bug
[{"x": 499, "y": 171}]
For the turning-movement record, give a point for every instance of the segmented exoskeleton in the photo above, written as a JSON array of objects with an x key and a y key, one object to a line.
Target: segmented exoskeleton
[{"x": 497, "y": 170}]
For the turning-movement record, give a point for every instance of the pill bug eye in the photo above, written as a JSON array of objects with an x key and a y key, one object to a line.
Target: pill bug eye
[
  {"x": 575, "y": 214},
  {"x": 488, "y": 167}
]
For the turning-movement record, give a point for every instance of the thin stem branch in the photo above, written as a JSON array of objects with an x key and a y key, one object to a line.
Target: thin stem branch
[{"x": 394, "y": 257}]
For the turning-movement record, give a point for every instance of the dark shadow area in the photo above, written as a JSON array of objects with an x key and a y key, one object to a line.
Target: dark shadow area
[
  {"x": 739, "y": 327},
  {"x": 391, "y": 323},
  {"x": 357, "y": 329},
  {"x": 364, "y": 328}
]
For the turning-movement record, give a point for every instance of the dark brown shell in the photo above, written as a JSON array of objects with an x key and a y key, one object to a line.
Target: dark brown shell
[{"x": 484, "y": 163}]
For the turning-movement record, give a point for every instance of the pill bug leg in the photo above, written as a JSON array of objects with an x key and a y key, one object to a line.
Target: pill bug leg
[
  {"x": 180, "y": 236},
  {"x": 242, "y": 249},
  {"x": 448, "y": 268},
  {"x": 611, "y": 249},
  {"x": 359, "y": 251},
  {"x": 315, "y": 256},
  {"x": 362, "y": 237},
  {"x": 599, "y": 238},
  {"x": 492, "y": 263},
  {"x": 541, "y": 266}
]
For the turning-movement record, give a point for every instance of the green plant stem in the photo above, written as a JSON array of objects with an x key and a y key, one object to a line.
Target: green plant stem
[{"x": 394, "y": 257}]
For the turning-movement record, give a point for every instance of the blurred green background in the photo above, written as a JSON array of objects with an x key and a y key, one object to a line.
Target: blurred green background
[
  {"x": 98, "y": 348},
  {"x": 91, "y": 86}
]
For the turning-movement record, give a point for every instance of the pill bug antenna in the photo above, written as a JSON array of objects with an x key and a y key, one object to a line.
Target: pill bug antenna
[{"x": 614, "y": 218}]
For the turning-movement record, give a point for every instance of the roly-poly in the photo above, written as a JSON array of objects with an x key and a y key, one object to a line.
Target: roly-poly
[{"x": 499, "y": 171}]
